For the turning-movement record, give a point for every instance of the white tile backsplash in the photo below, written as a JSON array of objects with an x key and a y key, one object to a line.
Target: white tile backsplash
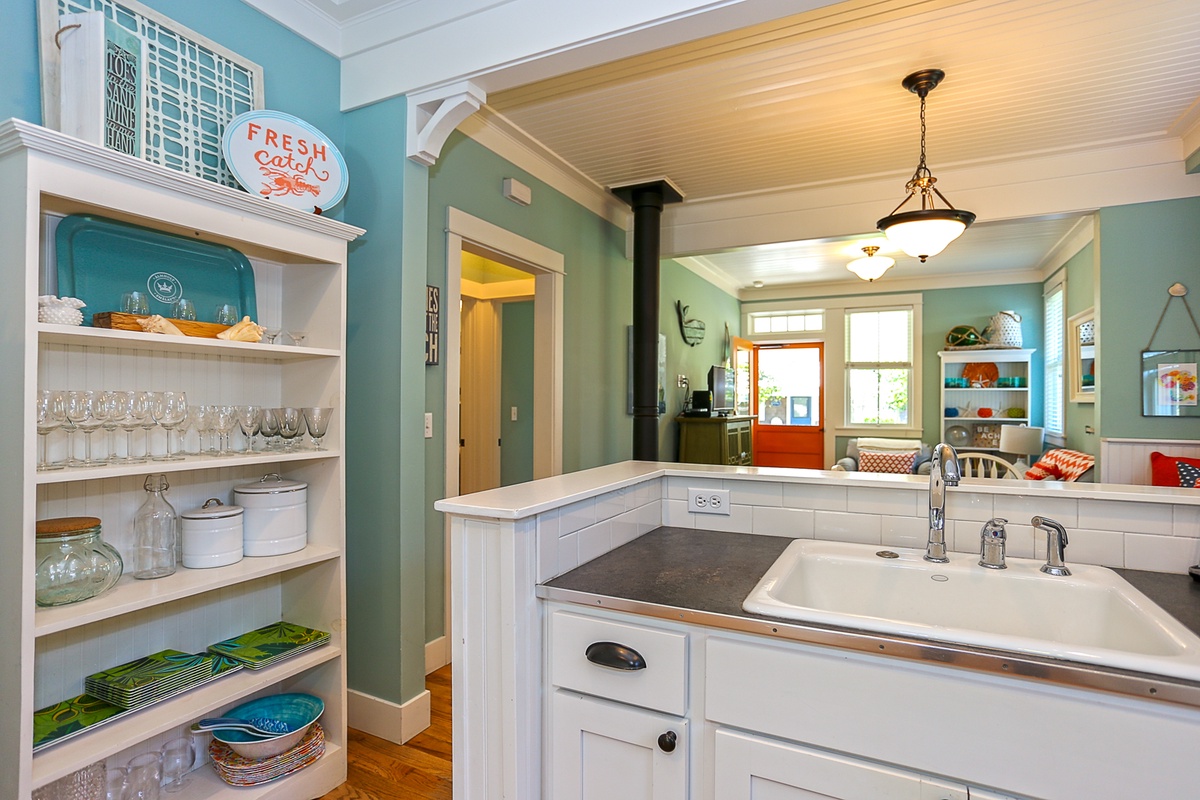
[
  {"x": 816, "y": 497},
  {"x": 794, "y": 522},
  {"x": 610, "y": 505},
  {"x": 1106, "y": 548},
  {"x": 676, "y": 514},
  {"x": 1015, "y": 508},
  {"x": 900, "y": 502},
  {"x": 677, "y": 488},
  {"x": 755, "y": 493},
  {"x": 625, "y": 528},
  {"x": 568, "y": 553},
  {"x": 1160, "y": 553},
  {"x": 904, "y": 531},
  {"x": 576, "y": 516},
  {"x": 594, "y": 540},
  {"x": 1112, "y": 515},
  {"x": 739, "y": 520},
  {"x": 963, "y": 504},
  {"x": 547, "y": 554},
  {"x": 839, "y": 526},
  {"x": 1185, "y": 521}
]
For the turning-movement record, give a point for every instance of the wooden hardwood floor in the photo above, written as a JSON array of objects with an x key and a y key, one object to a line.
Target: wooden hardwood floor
[{"x": 417, "y": 770}]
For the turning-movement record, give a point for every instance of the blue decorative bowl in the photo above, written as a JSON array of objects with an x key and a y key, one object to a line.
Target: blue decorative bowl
[{"x": 297, "y": 711}]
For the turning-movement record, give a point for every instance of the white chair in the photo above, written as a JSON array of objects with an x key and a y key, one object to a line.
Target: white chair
[{"x": 986, "y": 465}]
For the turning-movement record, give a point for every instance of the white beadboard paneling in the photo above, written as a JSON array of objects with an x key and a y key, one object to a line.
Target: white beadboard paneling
[
  {"x": 1185, "y": 521},
  {"x": 1103, "y": 547},
  {"x": 676, "y": 514},
  {"x": 1128, "y": 460},
  {"x": 576, "y": 516},
  {"x": 1160, "y": 553},
  {"x": 901, "y": 502},
  {"x": 1112, "y": 515},
  {"x": 904, "y": 531},
  {"x": 1064, "y": 510},
  {"x": 739, "y": 520},
  {"x": 838, "y": 526},
  {"x": 816, "y": 497},
  {"x": 965, "y": 505},
  {"x": 797, "y": 523},
  {"x": 594, "y": 540},
  {"x": 755, "y": 493}
]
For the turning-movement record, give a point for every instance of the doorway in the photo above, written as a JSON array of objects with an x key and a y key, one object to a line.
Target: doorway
[{"x": 788, "y": 392}]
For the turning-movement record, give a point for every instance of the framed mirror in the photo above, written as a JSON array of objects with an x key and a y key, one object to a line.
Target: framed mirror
[{"x": 1081, "y": 356}]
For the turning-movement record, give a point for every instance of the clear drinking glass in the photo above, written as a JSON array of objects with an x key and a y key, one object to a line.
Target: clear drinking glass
[
  {"x": 117, "y": 779},
  {"x": 135, "y": 303},
  {"x": 51, "y": 413},
  {"x": 178, "y": 758},
  {"x": 139, "y": 413},
  {"x": 223, "y": 421},
  {"x": 144, "y": 402},
  {"x": 197, "y": 420},
  {"x": 116, "y": 407},
  {"x": 268, "y": 426},
  {"x": 184, "y": 309},
  {"x": 155, "y": 533},
  {"x": 226, "y": 314},
  {"x": 317, "y": 420},
  {"x": 144, "y": 773},
  {"x": 249, "y": 420},
  {"x": 271, "y": 334},
  {"x": 169, "y": 409},
  {"x": 87, "y": 415},
  {"x": 297, "y": 337},
  {"x": 291, "y": 425}
]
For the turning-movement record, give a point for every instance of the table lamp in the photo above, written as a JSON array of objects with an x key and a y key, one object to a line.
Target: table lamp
[{"x": 1022, "y": 440}]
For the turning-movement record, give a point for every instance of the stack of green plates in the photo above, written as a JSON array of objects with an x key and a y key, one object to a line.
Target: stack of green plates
[
  {"x": 155, "y": 677},
  {"x": 270, "y": 644}
]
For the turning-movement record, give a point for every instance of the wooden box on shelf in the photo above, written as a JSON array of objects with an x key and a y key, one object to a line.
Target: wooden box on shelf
[{"x": 118, "y": 320}]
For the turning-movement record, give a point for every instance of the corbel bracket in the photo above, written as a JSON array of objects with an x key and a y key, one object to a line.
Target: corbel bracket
[{"x": 433, "y": 115}]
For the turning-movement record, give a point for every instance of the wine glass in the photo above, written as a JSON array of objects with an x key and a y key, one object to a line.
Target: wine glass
[
  {"x": 317, "y": 420},
  {"x": 297, "y": 337},
  {"x": 271, "y": 334},
  {"x": 249, "y": 420},
  {"x": 291, "y": 425},
  {"x": 87, "y": 415},
  {"x": 116, "y": 404},
  {"x": 268, "y": 426},
  {"x": 223, "y": 420},
  {"x": 169, "y": 409},
  {"x": 144, "y": 404},
  {"x": 139, "y": 412},
  {"x": 51, "y": 413},
  {"x": 178, "y": 758},
  {"x": 197, "y": 420}
]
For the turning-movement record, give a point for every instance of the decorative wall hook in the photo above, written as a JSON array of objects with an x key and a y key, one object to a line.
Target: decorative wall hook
[{"x": 692, "y": 329}]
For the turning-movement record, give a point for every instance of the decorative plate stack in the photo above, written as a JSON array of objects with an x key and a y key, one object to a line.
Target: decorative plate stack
[
  {"x": 270, "y": 644},
  {"x": 155, "y": 677},
  {"x": 238, "y": 771}
]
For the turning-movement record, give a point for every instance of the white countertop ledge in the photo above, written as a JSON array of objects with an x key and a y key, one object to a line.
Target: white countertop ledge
[{"x": 527, "y": 499}]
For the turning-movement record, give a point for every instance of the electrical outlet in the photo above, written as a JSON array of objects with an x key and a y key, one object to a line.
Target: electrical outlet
[
  {"x": 709, "y": 501},
  {"x": 681, "y": 381}
]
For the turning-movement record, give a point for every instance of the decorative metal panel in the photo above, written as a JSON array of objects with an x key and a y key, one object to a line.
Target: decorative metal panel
[{"x": 192, "y": 89}]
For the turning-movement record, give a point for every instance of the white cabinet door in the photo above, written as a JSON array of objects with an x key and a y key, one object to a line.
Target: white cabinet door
[
  {"x": 750, "y": 768},
  {"x": 604, "y": 750}
]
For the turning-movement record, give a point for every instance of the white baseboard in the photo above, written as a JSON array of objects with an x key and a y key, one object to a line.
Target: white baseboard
[
  {"x": 392, "y": 721},
  {"x": 437, "y": 654}
]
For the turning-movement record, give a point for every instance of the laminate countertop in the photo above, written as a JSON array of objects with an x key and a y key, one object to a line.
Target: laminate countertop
[{"x": 702, "y": 577}]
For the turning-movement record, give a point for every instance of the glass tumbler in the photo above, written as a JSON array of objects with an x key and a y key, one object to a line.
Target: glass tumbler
[
  {"x": 178, "y": 758},
  {"x": 144, "y": 777},
  {"x": 226, "y": 314},
  {"x": 135, "y": 303},
  {"x": 184, "y": 309}
]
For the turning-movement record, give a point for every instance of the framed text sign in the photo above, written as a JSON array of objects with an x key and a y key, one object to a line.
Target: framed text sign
[{"x": 433, "y": 325}]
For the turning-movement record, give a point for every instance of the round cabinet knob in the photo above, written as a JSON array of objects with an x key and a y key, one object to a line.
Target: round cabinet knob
[{"x": 666, "y": 742}]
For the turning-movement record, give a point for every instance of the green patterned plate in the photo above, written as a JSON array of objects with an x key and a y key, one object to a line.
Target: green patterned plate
[{"x": 266, "y": 645}]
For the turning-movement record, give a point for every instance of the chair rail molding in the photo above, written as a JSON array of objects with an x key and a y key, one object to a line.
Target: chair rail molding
[{"x": 433, "y": 116}]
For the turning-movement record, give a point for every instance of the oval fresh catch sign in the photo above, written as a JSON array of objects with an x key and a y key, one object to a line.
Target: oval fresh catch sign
[{"x": 283, "y": 158}]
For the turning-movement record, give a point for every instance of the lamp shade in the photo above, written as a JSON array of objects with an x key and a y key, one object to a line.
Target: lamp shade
[
  {"x": 1021, "y": 439},
  {"x": 870, "y": 266},
  {"x": 925, "y": 233}
]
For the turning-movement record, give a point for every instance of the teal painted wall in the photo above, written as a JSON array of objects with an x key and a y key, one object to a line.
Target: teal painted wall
[
  {"x": 516, "y": 390},
  {"x": 1081, "y": 295},
  {"x": 1143, "y": 249}
]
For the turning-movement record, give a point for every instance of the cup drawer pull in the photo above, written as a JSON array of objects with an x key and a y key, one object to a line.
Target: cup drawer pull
[{"x": 615, "y": 656}]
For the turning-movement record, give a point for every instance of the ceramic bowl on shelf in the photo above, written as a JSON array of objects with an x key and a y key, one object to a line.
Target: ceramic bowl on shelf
[{"x": 297, "y": 711}]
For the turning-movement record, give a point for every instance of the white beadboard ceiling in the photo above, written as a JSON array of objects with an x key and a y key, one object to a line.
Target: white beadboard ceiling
[{"x": 815, "y": 100}]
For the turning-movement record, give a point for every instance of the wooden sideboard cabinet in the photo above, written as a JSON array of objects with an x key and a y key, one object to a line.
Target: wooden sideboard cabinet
[{"x": 727, "y": 441}]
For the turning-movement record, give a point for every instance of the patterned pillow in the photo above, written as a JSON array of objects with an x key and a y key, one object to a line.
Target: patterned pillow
[
  {"x": 1060, "y": 465},
  {"x": 900, "y": 461},
  {"x": 1168, "y": 470}
]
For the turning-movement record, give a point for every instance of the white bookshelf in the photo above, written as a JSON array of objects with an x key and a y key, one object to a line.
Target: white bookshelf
[
  {"x": 1010, "y": 366},
  {"x": 300, "y": 273}
]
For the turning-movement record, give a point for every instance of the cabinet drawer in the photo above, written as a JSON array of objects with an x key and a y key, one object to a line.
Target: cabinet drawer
[{"x": 660, "y": 684}]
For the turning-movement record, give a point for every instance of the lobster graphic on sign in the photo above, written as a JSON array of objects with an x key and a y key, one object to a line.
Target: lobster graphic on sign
[{"x": 279, "y": 183}]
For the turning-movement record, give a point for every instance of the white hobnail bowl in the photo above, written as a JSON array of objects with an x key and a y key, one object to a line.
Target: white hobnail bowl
[{"x": 60, "y": 310}]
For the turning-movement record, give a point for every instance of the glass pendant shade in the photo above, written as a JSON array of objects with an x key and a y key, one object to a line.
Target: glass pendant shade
[
  {"x": 871, "y": 266},
  {"x": 925, "y": 233}
]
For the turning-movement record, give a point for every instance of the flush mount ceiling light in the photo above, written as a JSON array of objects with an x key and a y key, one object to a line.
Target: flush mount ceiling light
[
  {"x": 870, "y": 266},
  {"x": 926, "y": 231}
]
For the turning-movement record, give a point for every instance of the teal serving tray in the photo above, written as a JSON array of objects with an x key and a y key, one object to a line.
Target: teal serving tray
[{"x": 99, "y": 260}]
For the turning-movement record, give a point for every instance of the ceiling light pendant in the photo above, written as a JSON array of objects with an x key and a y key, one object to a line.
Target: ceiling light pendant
[
  {"x": 925, "y": 232},
  {"x": 871, "y": 266}
]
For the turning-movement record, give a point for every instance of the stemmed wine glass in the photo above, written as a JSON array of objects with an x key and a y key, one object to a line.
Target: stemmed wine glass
[
  {"x": 268, "y": 426},
  {"x": 223, "y": 419},
  {"x": 250, "y": 421},
  {"x": 317, "y": 420},
  {"x": 197, "y": 420},
  {"x": 291, "y": 424},
  {"x": 116, "y": 404},
  {"x": 271, "y": 334},
  {"x": 51, "y": 413},
  {"x": 87, "y": 415},
  {"x": 169, "y": 409},
  {"x": 297, "y": 337},
  {"x": 143, "y": 404}
]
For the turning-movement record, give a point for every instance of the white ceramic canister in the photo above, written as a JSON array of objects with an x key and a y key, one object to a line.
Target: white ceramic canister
[
  {"x": 276, "y": 515},
  {"x": 212, "y": 535}
]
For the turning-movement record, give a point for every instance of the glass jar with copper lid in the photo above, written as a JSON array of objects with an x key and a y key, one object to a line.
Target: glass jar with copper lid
[{"x": 73, "y": 562}]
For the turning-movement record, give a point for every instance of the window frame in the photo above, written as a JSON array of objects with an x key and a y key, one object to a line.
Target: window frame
[{"x": 909, "y": 365}]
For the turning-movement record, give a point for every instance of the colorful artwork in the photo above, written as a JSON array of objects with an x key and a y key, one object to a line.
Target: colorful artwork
[{"x": 1177, "y": 384}]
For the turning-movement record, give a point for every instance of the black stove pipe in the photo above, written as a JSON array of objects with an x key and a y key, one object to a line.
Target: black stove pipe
[{"x": 646, "y": 200}]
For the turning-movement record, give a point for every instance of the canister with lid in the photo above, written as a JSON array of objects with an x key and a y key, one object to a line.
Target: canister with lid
[
  {"x": 276, "y": 519},
  {"x": 73, "y": 562},
  {"x": 212, "y": 535}
]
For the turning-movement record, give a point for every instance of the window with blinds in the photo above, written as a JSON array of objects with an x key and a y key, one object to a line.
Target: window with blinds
[{"x": 1054, "y": 355}]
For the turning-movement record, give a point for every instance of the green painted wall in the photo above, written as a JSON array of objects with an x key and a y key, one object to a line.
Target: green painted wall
[
  {"x": 516, "y": 390},
  {"x": 1081, "y": 295},
  {"x": 1143, "y": 250}
]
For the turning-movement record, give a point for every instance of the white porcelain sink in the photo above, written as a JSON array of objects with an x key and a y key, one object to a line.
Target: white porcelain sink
[{"x": 1093, "y": 616}]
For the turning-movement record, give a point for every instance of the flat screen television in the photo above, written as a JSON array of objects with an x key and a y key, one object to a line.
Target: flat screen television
[{"x": 720, "y": 383}]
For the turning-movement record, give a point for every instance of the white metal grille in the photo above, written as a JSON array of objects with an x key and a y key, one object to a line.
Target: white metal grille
[{"x": 193, "y": 89}]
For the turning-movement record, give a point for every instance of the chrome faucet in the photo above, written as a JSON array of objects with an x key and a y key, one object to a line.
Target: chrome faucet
[
  {"x": 943, "y": 471},
  {"x": 992, "y": 538},
  {"x": 1056, "y": 546}
]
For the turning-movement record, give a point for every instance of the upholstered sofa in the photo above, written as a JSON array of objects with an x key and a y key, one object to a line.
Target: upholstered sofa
[{"x": 874, "y": 454}]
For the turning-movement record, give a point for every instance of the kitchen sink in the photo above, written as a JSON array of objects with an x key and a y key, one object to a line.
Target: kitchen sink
[{"x": 1092, "y": 616}]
